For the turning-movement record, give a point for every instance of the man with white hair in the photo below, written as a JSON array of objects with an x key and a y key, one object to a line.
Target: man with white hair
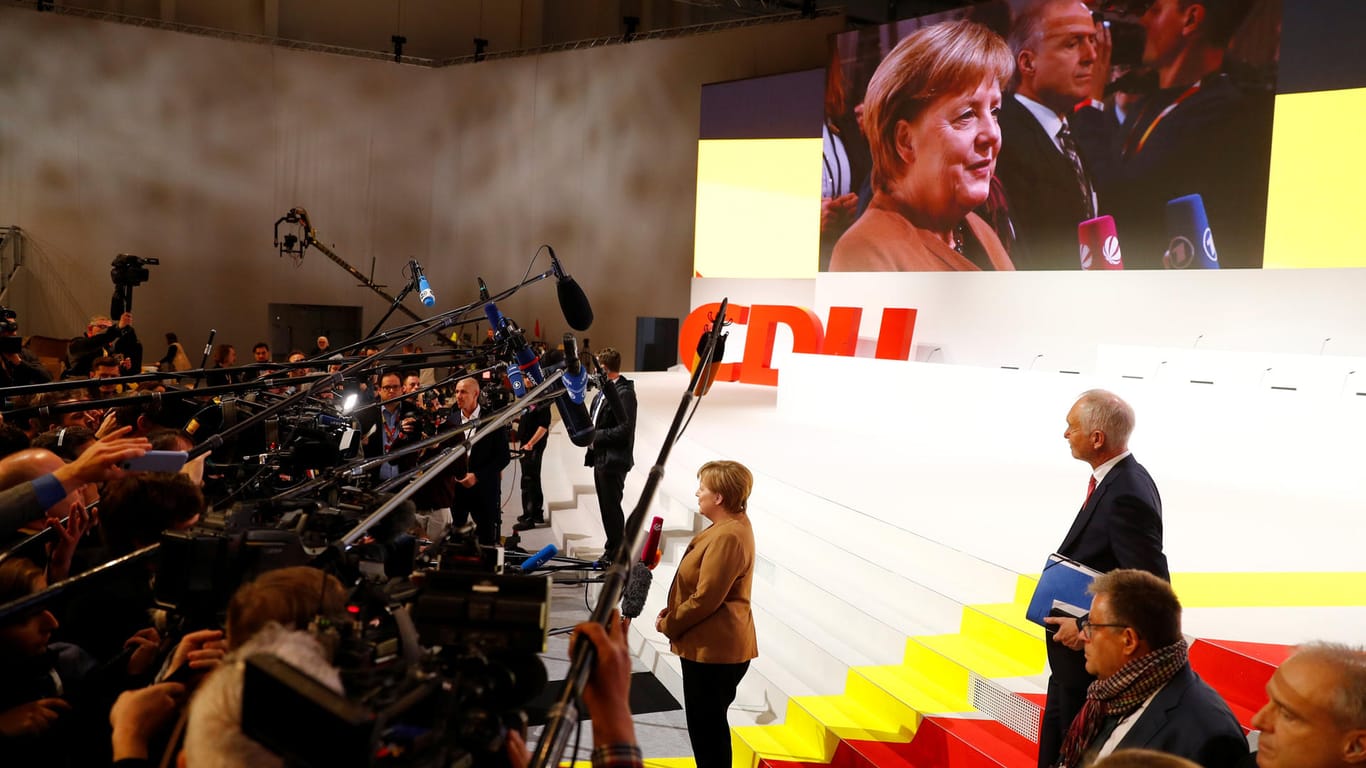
[
  {"x": 1119, "y": 525},
  {"x": 1315, "y": 714}
]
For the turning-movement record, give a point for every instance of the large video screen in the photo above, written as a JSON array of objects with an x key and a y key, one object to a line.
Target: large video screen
[{"x": 1066, "y": 136}]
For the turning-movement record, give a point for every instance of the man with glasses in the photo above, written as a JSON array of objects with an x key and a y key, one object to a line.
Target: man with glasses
[
  {"x": 1119, "y": 525},
  {"x": 1146, "y": 696},
  {"x": 396, "y": 425},
  {"x": 103, "y": 337}
]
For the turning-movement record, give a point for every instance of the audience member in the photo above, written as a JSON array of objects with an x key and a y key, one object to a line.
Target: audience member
[
  {"x": 1119, "y": 525},
  {"x": 103, "y": 337},
  {"x": 1315, "y": 714},
  {"x": 1145, "y": 694},
  {"x": 1046, "y": 176}
]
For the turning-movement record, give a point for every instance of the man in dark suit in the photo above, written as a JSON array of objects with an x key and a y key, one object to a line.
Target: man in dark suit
[
  {"x": 477, "y": 491},
  {"x": 1146, "y": 695},
  {"x": 1119, "y": 526},
  {"x": 612, "y": 453},
  {"x": 1046, "y": 174}
]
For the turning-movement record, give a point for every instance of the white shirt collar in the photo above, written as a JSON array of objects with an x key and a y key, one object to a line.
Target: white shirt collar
[
  {"x": 1104, "y": 469},
  {"x": 1047, "y": 118}
]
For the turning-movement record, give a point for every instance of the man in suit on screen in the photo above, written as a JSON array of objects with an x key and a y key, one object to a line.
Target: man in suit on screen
[{"x": 1119, "y": 526}]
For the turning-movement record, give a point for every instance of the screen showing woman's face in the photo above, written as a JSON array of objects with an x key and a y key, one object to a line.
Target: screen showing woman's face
[{"x": 950, "y": 151}]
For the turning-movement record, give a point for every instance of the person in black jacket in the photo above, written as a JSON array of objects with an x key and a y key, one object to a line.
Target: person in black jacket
[
  {"x": 1119, "y": 525},
  {"x": 1146, "y": 695},
  {"x": 477, "y": 488},
  {"x": 612, "y": 453},
  {"x": 104, "y": 337}
]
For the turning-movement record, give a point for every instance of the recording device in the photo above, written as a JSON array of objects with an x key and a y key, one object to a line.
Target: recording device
[
  {"x": 1190, "y": 243},
  {"x": 714, "y": 366},
  {"x": 573, "y": 302},
  {"x": 575, "y": 377},
  {"x": 424, "y": 289},
  {"x": 1127, "y": 37},
  {"x": 650, "y": 554},
  {"x": 1099, "y": 244},
  {"x": 435, "y": 675},
  {"x": 156, "y": 461},
  {"x": 127, "y": 271},
  {"x": 545, "y": 555},
  {"x": 636, "y": 591},
  {"x": 10, "y": 343}
]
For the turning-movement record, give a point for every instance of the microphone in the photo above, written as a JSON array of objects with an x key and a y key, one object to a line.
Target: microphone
[
  {"x": 507, "y": 331},
  {"x": 573, "y": 303},
  {"x": 575, "y": 377},
  {"x": 1189, "y": 239},
  {"x": 1098, "y": 237},
  {"x": 424, "y": 289},
  {"x": 540, "y": 558},
  {"x": 650, "y": 554},
  {"x": 708, "y": 378},
  {"x": 515, "y": 378},
  {"x": 636, "y": 590}
]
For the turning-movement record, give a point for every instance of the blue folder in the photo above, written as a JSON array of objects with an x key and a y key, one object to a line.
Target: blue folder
[{"x": 1062, "y": 585}]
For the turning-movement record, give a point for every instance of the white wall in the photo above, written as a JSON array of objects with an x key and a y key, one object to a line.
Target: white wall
[{"x": 116, "y": 138}]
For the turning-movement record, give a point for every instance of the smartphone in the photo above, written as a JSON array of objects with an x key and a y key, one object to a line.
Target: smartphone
[{"x": 157, "y": 461}]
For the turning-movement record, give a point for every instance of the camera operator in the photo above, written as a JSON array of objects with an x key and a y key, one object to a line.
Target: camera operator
[
  {"x": 390, "y": 426},
  {"x": 103, "y": 337},
  {"x": 18, "y": 366}
]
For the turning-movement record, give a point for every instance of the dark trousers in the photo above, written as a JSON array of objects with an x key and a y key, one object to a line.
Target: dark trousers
[
  {"x": 708, "y": 690},
  {"x": 1062, "y": 706},
  {"x": 533, "y": 499},
  {"x": 488, "y": 516},
  {"x": 610, "y": 483}
]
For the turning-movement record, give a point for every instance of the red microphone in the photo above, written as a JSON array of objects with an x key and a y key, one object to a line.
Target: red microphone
[
  {"x": 1099, "y": 244},
  {"x": 650, "y": 555}
]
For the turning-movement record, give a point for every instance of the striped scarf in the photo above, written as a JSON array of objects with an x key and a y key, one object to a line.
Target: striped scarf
[{"x": 1120, "y": 694}]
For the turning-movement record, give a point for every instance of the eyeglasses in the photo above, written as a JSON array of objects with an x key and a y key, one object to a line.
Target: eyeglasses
[
  {"x": 389, "y": 386},
  {"x": 1085, "y": 625}
]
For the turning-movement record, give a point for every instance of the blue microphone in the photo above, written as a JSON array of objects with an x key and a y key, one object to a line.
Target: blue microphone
[
  {"x": 515, "y": 378},
  {"x": 540, "y": 558},
  {"x": 1190, "y": 243},
  {"x": 424, "y": 289},
  {"x": 505, "y": 330},
  {"x": 575, "y": 377}
]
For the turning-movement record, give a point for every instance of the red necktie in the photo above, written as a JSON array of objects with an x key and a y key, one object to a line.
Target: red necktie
[{"x": 1090, "y": 488}]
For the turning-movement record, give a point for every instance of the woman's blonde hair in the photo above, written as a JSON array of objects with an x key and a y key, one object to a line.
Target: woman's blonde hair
[
  {"x": 731, "y": 479},
  {"x": 947, "y": 58}
]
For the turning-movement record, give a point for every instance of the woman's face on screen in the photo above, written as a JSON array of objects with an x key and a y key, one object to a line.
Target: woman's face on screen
[{"x": 950, "y": 152}]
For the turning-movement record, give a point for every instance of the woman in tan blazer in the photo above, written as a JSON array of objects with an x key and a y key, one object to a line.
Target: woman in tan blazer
[{"x": 707, "y": 620}]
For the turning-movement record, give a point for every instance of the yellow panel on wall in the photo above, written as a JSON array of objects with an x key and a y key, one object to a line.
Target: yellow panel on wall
[
  {"x": 758, "y": 208},
  {"x": 1318, "y": 180}
]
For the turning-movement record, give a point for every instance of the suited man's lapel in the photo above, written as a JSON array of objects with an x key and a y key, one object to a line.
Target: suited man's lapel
[
  {"x": 1155, "y": 717},
  {"x": 1084, "y": 515}
]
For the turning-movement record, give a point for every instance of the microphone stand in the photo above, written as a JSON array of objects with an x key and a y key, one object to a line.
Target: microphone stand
[
  {"x": 398, "y": 301},
  {"x": 23, "y": 604},
  {"x": 564, "y": 713}
]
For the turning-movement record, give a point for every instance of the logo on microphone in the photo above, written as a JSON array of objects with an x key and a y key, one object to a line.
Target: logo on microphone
[
  {"x": 1210, "y": 253},
  {"x": 1111, "y": 250},
  {"x": 1085, "y": 256},
  {"x": 1181, "y": 252}
]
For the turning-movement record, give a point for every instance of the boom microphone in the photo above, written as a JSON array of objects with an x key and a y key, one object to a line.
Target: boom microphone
[
  {"x": 650, "y": 554},
  {"x": 708, "y": 378},
  {"x": 424, "y": 289},
  {"x": 507, "y": 331},
  {"x": 637, "y": 590},
  {"x": 540, "y": 558},
  {"x": 573, "y": 303},
  {"x": 1099, "y": 244}
]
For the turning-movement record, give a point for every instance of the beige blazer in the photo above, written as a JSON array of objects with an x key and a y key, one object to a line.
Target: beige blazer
[
  {"x": 885, "y": 241},
  {"x": 708, "y": 617}
]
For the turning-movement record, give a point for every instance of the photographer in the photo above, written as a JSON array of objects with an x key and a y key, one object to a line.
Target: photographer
[
  {"x": 18, "y": 366},
  {"x": 102, "y": 337}
]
